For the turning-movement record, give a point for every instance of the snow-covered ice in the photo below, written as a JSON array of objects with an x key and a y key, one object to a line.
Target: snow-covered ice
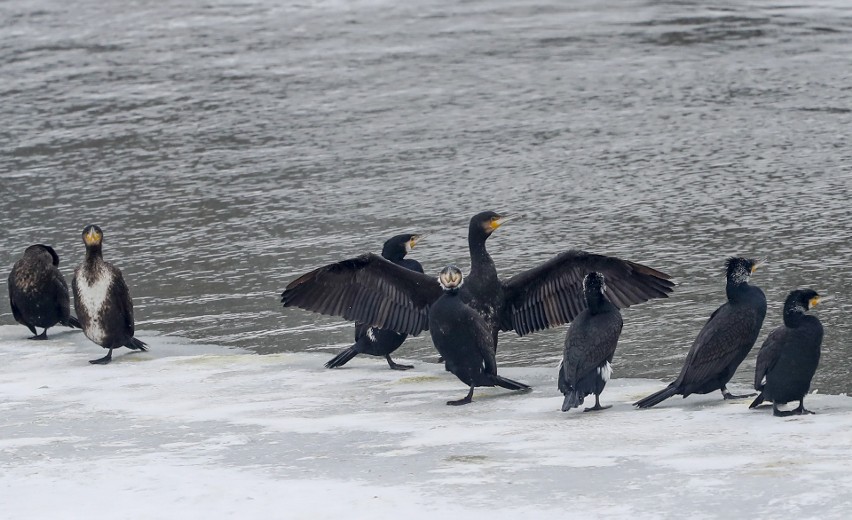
[{"x": 202, "y": 431}]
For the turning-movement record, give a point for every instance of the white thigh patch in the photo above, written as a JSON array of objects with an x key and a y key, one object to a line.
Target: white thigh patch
[{"x": 605, "y": 371}]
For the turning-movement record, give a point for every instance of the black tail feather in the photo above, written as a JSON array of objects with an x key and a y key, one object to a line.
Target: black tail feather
[
  {"x": 573, "y": 399},
  {"x": 72, "y": 322},
  {"x": 509, "y": 384},
  {"x": 757, "y": 400},
  {"x": 342, "y": 358},
  {"x": 135, "y": 344},
  {"x": 657, "y": 397}
]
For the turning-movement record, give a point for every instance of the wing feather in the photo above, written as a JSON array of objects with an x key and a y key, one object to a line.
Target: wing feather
[
  {"x": 367, "y": 289},
  {"x": 552, "y": 293}
]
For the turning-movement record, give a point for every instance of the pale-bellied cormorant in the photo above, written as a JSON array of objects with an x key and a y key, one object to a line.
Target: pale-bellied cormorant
[
  {"x": 589, "y": 347},
  {"x": 371, "y": 290},
  {"x": 464, "y": 339},
  {"x": 38, "y": 293},
  {"x": 788, "y": 359},
  {"x": 102, "y": 300},
  {"x": 372, "y": 340},
  {"x": 724, "y": 341}
]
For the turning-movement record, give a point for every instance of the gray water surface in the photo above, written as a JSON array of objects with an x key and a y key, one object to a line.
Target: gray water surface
[{"x": 227, "y": 147}]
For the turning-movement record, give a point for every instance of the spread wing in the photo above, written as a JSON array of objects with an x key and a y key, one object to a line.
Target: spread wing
[
  {"x": 768, "y": 355},
  {"x": 367, "y": 289},
  {"x": 552, "y": 293}
]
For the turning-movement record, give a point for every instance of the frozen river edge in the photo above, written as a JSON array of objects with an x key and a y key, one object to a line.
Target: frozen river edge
[{"x": 202, "y": 431}]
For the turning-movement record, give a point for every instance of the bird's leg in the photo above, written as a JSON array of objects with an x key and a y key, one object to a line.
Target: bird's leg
[
  {"x": 397, "y": 366},
  {"x": 104, "y": 360},
  {"x": 726, "y": 395},
  {"x": 800, "y": 410},
  {"x": 465, "y": 400},
  {"x": 597, "y": 405},
  {"x": 41, "y": 336}
]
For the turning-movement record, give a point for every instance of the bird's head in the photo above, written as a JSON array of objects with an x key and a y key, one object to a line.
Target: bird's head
[
  {"x": 740, "y": 269},
  {"x": 450, "y": 278},
  {"x": 486, "y": 222},
  {"x": 92, "y": 235}
]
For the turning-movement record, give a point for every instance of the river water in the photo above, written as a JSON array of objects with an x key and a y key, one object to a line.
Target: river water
[{"x": 226, "y": 147}]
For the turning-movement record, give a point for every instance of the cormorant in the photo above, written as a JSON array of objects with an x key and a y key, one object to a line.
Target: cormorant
[
  {"x": 372, "y": 340},
  {"x": 38, "y": 293},
  {"x": 724, "y": 341},
  {"x": 464, "y": 339},
  {"x": 789, "y": 357},
  {"x": 371, "y": 290},
  {"x": 102, "y": 300},
  {"x": 589, "y": 347}
]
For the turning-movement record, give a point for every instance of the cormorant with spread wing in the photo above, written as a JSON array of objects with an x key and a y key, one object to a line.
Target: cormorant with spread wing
[
  {"x": 724, "y": 341},
  {"x": 789, "y": 357},
  {"x": 374, "y": 291},
  {"x": 372, "y": 340}
]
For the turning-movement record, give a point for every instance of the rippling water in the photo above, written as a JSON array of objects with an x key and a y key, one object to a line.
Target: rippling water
[{"x": 226, "y": 147}]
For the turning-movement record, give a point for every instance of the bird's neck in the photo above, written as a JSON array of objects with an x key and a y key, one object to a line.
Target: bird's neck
[
  {"x": 735, "y": 290},
  {"x": 93, "y": 254},
  {"x": 393, "y": 254},
  {"x": 479, "y": 257},
  {"x": 595, "y": 301},
  {"x": 794, "y": 315}
]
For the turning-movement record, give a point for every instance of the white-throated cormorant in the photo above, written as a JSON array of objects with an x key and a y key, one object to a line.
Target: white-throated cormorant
[
  {"x": 102, "y": 299},
  {"x": 464, "y": 339},
  {"x": 724, "y": 341},
  {"x": 789, "y": 357},
  {"x": 372, "y": 340},
  {"x": 38, "y": 293},
  {"x": 589, "y": 347}
]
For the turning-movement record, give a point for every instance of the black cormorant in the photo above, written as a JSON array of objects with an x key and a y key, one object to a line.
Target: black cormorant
[
  {"x": 102, "y": 300},
  {"x": 589, "y": 347},
  {"x": 38, "y": 293},
  {"x": 372, "y": 340},
  {"x": 724, "y": 341},
  {"x": 464, "y": 339},
  {"x": 371, "y": 290},
  {"x": 789, "y": 357}
]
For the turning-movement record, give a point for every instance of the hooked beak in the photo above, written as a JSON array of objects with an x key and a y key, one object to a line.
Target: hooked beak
[
  {"x": 759, "y": 262},
  {"x": 814, "y": 301},
  {"x": 92, "y": 237},
  {"x": 413, "y": 241},
  {"x": 499, "y": 221}
]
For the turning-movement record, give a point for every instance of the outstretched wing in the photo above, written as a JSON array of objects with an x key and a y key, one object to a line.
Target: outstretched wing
[
  {"x": 367, "y": 289},
  {"x": 552, "y": 293}
]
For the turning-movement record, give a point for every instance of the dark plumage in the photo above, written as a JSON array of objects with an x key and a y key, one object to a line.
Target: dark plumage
[
  {"x": 464, "y": 339},
  {"x": 724, "y": 341},
  {"x": 589, "y": 347},
  {"x": 102, "y": 300},
  {"x": 375, "y": 341},
  {"x": 371, "y": 290},
  {"x": 789, "y": 357},
  {"x": 38, "y": 293}
]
